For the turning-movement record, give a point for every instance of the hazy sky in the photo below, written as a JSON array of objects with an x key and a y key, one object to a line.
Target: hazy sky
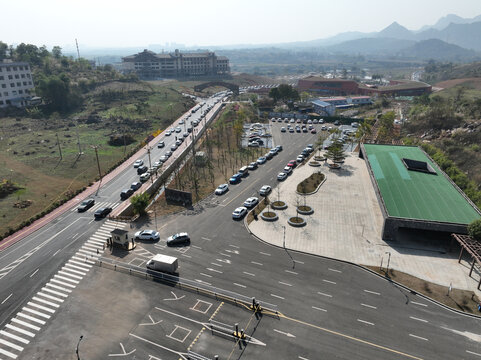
[{"x": 120, "y": 23}]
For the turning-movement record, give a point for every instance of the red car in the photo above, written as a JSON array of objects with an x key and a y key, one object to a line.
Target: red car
[
  {"x": 313, "y": 131},
  {"x": 292, "y": 163}
]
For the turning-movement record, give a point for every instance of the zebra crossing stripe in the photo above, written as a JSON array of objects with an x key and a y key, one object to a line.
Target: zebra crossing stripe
[
  {"x": 50, "y": 297},
  {"x": 46, "y": 302},
  {"x": 14, "y": 337},
  {"x": 12, "y": 345},
  {"x": 77, "y": 267},
  {"x": 36, "y": 312},
  {"x": 66, "y": 279},
  {"x": 41, "y": 307},
  {"x": 8, "y": 353},
  {"x": 69, "y": 274},
  {"x": 82, "y": 260},
  {"x": 88, "y": 266},
  {"x": 62, "y": 282},
  {"x": 90, "y": 247},
  {"x": 73, "y": 271},
  {"x": 96, "y": 242},
  {"x": 20, "y": 330},
  {"x": 31, "y": 318},
  {"x": 26, "y": 324},
  {"x": 54, "y": 292},
  {"x": 88, "y": 253}
]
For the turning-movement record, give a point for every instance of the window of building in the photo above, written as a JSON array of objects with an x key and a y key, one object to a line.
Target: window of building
[
  {"x": 1, "y": 102},
  {"x": 17, "y": 76},
  {"x": 5, "y": 93},
  {"x": 23, "y": 76},
  {"x": 20, "y": 68},
  {"x": 14, "y": 92},
  {"x": 29, "y": 83},
  {"x": 19, "y": 83},
  {"x": 1, "y": 78},
  {"x": 8, "y": 68},
  {"x": 4, "y": 86},
  {"x": 28, "y": 75},
  {"x": 14, "y": 68},
  {"x": 10, "y": 77},
  {"x": 12, "y": 84},
  {"x": 24, "y": 83},
  {"x": 20, "y": 91}
]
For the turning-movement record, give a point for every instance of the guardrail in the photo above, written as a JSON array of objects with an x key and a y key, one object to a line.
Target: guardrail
[{"x": 186, "y": 284}]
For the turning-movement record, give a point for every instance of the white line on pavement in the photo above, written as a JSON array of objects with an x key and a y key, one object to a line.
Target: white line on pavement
[
  {"x": 15, "y": 337},
  {"x": 338, "y": 271},
  {"x": 263, "y": 253},
  {"x": 240, "y": 285},
  {"x": 318, "y": 308},
  {"x": 216, "y": 264},
  {"x": 299, "y": 262},
  {"x": 31, "y": 318},
  {"x": 256, "y": 263},
  {"x": 8, "y": 297},
  {"x": 277, "y": 296},
  {"x": 369, "y": 306},
  {"x": 248, "y": 273},
  {"x": 8, "y": 353},
  {"x": 418, "y": 319},
  {"x": 323, "y": 294},
  {"x": 291, "y": 272},
  {"x": 41, "y": 307},
  {"x": 330, "y": 282},
  {"x": 473, "y": 353},
  {"x": 418, "y": 337},
  {"x": 234, "y": 246},
  {"x": 416, "y": 303},
  {"x": 214, "y": 270},
  {"x": 12, "y": 345},
  {"x": 38, "y": 313},
  {"x": 20, "y": 330},
  {"x": 45, "y": 302},
  {"x": 365, "y": 322},
  {"x": 372, "y": 292},
  {"x": 26, "y": 324},
  {"x": 283, "y": 283}
]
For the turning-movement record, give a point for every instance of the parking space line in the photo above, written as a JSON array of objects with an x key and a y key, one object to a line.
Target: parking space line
[
  {"x": 418, "y": 319},
  {"x": 256, "y": 263},
  {"x": 248, "y": 273},
  {"x": 365, "y": 322},
  {"x": 240, "y": 285},
  {"x": 283, "y": 283},
  {"x": 323, "y": 294},
  {"x": 318, "y": 308},
  {"x": 418, "y": 337},
  {"x": 277, "y": 296},
  {"x": 369, "y": 306},
  {"x": 291, "y": 272},
  {"x": 372, "y": 292},
  {"x": 329, "y": 281}
]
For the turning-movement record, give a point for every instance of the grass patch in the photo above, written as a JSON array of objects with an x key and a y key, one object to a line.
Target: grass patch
[
  {"x": 463, "y": 300},
  {"x": 311, "y": 183}
]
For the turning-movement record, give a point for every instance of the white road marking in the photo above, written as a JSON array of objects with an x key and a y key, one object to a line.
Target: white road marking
[
  {"x": 225, "y": 254},
  {"x": 284, "y": 333},
  {"x": 8, "y": 297},
  {"x": 299, "y": 262},
  {"x": 67, "y": 268},
  {"x": 204, "y": 238},
  {"x": 205, "y": 275},
  {"x": 20, "y": 330},
  {"x": 369, "y": 306},
  {"x": 318, "y": 308},
  {"x": 41, "y": 307},
  {"x": 329, "y": 281},
  {"x": 80, "y": 263},
  {"x": 82, "y": 269},
  {"x": 63, "y": 272},
  {"x": 365, "y": 322},
  {"x": 372, "y": 292},
  {"x": 26, "y": 324},
  {"x": 291, "y": 272},
  {"x": 277, "y": 296},
  {"x": 256, "y": 263},
  {"x": 338, "y": 271},
  {"x": 263, "y": 253},
  {"x": 414, "y": 318},
  {"x": 214, "y": 270},
  {"x": 302, "y": 358},
  {"x": 58, "y": 287},
  {"x": 56, "y": 252},
  {"x": 15, "y": 337},
  {"x": 418, "y": 337},
  {"x": 196, "y": 247},
  {"x": 31, "y": 318},
  {"x": 50, "y": 297},
  {"x": 417, "y": 303},
  {"x": 248, "y": 273},
  {"x": 216, "y": 264},
  {"x": 45, "y": 302},
  {"x": 203, "y": 282},
  {"x": 323, "y": 294},
  {"x": 283, "y": 283},
  {"x": 12, "y": 345},
  {"x": 235, "y": 246},
  {"x": 240, "y": 285},
  {"x": 63, "y": 282},
  {"x": 473, "y": 353},
  {"x": 38, "y": 313},
  {"x": 8, "y": 353},
  {"x": 187, "y": 256}
]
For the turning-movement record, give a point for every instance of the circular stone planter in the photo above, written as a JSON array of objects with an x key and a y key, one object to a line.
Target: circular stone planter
[
  {"x": 314, "y": 163},
  {"x": 269, "y": 216},
  {"x": 305, "y": 210},
  {"x": 296, "y": 221},
  {"x": 334, "y": 166},
  {"x": 279, "y": 205},
  {"x": 319, "y": 158}
]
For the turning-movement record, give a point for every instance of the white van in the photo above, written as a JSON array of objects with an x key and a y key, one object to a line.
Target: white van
[{"x": 244, "y": 171}]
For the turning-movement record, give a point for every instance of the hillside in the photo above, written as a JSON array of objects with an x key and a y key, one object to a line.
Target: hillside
[
  {"x": 372, "y": 46},
  {"x": 439, "y": 50}
]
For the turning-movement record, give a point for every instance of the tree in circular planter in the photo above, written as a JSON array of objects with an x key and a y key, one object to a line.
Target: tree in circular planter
[
  {"x": 279, "y": 204},
  {"x": 303, "y": 209},
  {"x": 268, "y": 213},
  {"x": 297, "y": 220}
]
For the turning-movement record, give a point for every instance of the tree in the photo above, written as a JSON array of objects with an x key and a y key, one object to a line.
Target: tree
[
  {"x": 474, "y": 229},
  {"x": 3, "y": 50},
  {"x": 336, "y": 151},
  {"x": 274, "y": 94},
  {"x": 139, "y": 203},
  {"x": 57, "y": 52}
]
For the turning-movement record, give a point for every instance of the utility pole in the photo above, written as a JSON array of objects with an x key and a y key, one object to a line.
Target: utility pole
[
  {"x": 78, "y": 139},
  {"x": 150, "y": 165},
  {"x": 59, "y": 149},
  {"x": 98, "y": 165},
  {"x": 78, "y": 52}
]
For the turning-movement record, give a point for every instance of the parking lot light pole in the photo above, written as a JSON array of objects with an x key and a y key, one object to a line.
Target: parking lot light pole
[{"x": 76, "y": 349}]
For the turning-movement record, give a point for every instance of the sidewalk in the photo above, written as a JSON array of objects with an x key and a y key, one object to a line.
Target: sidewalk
[{"x": 347, "y": 223}]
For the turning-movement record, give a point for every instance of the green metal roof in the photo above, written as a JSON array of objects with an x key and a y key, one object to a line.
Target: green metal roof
[{"x": 413, "y": 194}]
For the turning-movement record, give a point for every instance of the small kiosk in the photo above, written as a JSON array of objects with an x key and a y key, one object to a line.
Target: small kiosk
[{"x": 120, "y": 238}]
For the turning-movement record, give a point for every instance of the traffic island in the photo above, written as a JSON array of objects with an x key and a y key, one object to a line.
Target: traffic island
[
  {"x": 279, "y": 205},
  {"x": 305, "y": 210},
  {"x": 296, "y": 221},
  {"x": 269, "y": 216}
]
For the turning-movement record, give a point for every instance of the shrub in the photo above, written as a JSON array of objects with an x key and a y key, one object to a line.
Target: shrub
[{"x": 474, "y": 229}]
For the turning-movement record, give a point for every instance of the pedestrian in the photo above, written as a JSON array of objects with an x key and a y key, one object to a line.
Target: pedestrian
[{"x": 479, "y": 307}]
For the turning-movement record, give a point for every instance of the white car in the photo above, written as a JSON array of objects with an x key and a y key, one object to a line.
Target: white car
[
  {"x": 221, "y": 189},
  {"x": 287, "y": 170},
  {"x": 138, "y": 163},
  {"x": 265, "y": 190},
  {"x": 239, "y": 213},
  {"x": 281, "y": 176},
  {"x": 144, "y": 177},
  {"x": 251, "y": 202},
  {"x": 147, "y": 235},
  {"x": 168, "y": 133}
]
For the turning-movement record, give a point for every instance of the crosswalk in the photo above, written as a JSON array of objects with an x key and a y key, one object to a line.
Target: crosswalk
[
  {"x": 99, "y": 205},
  {"x": 25, "y": 324}
]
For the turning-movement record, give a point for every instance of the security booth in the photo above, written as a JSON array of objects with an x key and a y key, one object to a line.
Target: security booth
[{"x": 120, "y": 238}]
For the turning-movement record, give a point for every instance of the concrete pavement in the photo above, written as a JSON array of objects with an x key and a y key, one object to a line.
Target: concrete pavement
[{"x": 346, "y": 225}]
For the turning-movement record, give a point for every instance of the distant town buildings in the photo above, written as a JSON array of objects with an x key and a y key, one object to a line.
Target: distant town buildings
[
  {"x": 149, "y": 65},
  {"x": 327, "y": 105},
  {"x": 16, "y": 85},
  {"x": 333, "y": 87}
]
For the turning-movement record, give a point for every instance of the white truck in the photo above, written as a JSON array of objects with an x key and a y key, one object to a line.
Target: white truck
[{"x": 164, "y": 263}]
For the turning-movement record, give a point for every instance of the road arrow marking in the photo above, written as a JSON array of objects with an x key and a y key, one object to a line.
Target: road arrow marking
[{"x": 284, "y": 333}]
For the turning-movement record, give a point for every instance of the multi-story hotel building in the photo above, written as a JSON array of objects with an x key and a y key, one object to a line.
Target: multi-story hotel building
[
  {"x": 149, "y": 65},
  {"x": 16, "y": 84}
]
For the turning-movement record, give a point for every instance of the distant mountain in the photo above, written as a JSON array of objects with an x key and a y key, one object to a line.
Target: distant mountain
[
  {"x": 452, "y": 18},
  {"x": 437, "y": 49},
  {"x": 395, "y": 31},
  {"x": 374, "y": 46},
  {"x": 465, "y": 35}
]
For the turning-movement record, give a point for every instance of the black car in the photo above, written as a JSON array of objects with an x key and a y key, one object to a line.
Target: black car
[
  {"x": 102, "y": 212},
  {"x": 125, "y": 194},
  {"x": 142, "y": 169},
  {"x": 135, "y": 185},
  {"x": 161, "y": 144},
  {"x": 85, "y": 205}
]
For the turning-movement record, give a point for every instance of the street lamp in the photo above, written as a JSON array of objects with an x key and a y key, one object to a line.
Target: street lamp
[
  {"x": 284, "y": 237},
  {"x": 76, "y": 349},
  {"x": 388, "y": 259}
]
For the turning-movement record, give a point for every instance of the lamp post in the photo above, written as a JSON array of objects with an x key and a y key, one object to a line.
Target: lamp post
[
  {"x": 388, "y": 260},
  {"x": 76, "y": 349},
  {"x": 284, "y": 237}
]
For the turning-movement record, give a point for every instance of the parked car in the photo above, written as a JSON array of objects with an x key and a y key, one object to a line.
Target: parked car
[
  {"x": 279, "y": 148},
  {"x": 164, "y": 158},
  {"x": 315, "y": 121},
  {"x": 323, "y": 127},
  {"x": 300, "y": 159},
  {"x": 144, "y": 177},
  {"x": 251, "y": 202},
  {"x": 179, "y": 142},
  {"x": 304, "y": 129},
  {"x": 265, "y": 190},
  {"x": 261, "y": 160},
  {"x": 138, "y": 163},
  {"x": 168, "y": 153},
  {"x": 252, "y": 166},
  {"x": 178, "y": 239},
  {"x": 85, "y": 205},
  {"x": 142, "y": 169},
  {"x": 287, "y": 170},
  {"x": 160, "y": 144},
  {"x": 178, "y": 129},
  {"x": 291, "y": 130},
  {"x": 253, "y": 144},
  {"x": 147, "y": 235},
  {"x": 313, "y": 131},
  {"x": 283, "y": 129},
  {"x": 281, "y": 176},
  {"x": 102, "y": 212},
  {"x": 236, "y": 178},
  {"x": 168, "y": 133},
  {"x": 222, "y": 189},
  {"x": 126, "y": 193},
  {"x": 292, "y": 163},
  {"x": 173, "y": 147},
  {"x": 185, "y": 134},
  {"x": 135, "y": 185},
  {"x": 239, "y": 213},
  {"x": 268, "y": 155},
  {"x": 157, "y": 164}
]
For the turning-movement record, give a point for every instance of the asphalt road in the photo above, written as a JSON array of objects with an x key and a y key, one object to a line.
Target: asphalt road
[{"x": 328, "y": 309}]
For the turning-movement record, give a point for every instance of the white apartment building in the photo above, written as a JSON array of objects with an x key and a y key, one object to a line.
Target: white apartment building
[
  {"x": 16, "y": 84},
  {"x": 149, "y": 65}
]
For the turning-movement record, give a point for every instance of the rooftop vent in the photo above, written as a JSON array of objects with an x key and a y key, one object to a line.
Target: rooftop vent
[{"x": 416, "y": 165}]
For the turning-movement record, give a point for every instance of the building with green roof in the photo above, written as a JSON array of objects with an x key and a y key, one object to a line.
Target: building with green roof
[{"x": 414, "y": 193}]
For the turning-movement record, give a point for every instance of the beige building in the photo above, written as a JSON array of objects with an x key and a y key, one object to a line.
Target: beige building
[
  {"x": 16, "y": 84},
  {"x": 149, "y": 65}
]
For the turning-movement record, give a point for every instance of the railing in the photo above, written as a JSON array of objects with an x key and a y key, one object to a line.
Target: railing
[{"x": 186, "y": 284}]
